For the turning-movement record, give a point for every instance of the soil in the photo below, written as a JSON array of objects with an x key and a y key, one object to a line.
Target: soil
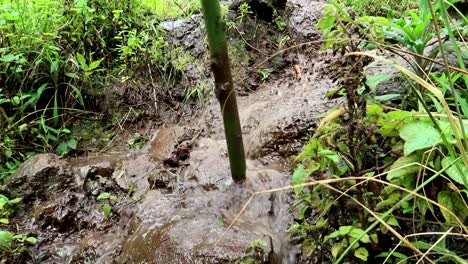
[{"x": 174, "y": 199}]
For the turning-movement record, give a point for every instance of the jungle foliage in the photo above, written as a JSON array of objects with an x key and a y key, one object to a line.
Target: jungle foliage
[{"x": 389, "y": 184}]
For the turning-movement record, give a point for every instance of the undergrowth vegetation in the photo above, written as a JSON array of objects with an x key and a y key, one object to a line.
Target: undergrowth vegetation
[
  {"x": 56, "y": 57},
  {"x": 393, "y": 182}
]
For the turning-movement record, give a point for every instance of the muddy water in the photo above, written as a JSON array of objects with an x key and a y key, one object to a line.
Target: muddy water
[{"x": 186, "y": 226}]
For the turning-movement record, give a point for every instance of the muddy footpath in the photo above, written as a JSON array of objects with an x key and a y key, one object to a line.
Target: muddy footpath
[{"x": 173, "y": 200}]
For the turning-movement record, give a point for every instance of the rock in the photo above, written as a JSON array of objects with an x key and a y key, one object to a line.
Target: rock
[
  {"x": 69, "y": 212},
  {"x": 186, "y": 33},
  {"x": 304, "y": 16},
  {"x": 395, "y": 87},
  {"x": 452, "y": 59},
  {"x": 42, "y": 177}
]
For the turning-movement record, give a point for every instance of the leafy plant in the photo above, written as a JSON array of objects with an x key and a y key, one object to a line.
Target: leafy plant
[
  {"x": 137, "y": 141},
  {"x": 13, "y": 244},
  {"x": 106, "y": 206},
  {"x": 255, "y": 253},
  {"x": 413, "y": 162},
  {"x": 7, "y": 207},
  {"x": 279, "y": 21},
  {"x": 198, "y": 92},
  {"x": 244, "y": 10}
]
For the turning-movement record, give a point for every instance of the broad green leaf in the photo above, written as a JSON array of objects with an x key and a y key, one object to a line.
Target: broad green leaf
[
  {"x": 4, "y": 221},
  {"x": 330, "y": 155},
  {"x": 328, "y": 19},
  {"x": 6, "y": 239},
  {"x": 361, "y": 253},
  {"x": 393, "y": 121},
  {"x": 404, "y": 175},
  {"x": 419, "y": 135},
  {"x": 386, "y": 97},
  {"x": 16, "y": 200},
  {"x": 454, "y": 203},
  {"x": 294, "y": 227},
  {"x": 395, "y": 254},
  {"x": 460, "y": 174},
  {"x": 357, "y": 232}
]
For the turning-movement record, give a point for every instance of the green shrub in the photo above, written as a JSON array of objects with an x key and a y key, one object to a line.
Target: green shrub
[
  {"x": 378, "y": 7},
  {"x": 384, "y": 172},
  {"x": 55, "y": 58}
]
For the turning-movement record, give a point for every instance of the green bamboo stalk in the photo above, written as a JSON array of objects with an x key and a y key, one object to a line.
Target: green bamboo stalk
[{"x": 224, "y": 87}]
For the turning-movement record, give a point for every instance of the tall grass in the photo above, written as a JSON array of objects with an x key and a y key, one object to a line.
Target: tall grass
[{"x": 172, "y": 9}]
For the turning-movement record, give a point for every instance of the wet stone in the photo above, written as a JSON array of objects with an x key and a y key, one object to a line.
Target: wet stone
[{"x": 42, "y": 177}]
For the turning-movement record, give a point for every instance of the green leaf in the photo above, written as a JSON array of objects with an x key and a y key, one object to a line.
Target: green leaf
[
  {"x": 361, "y": 234},
  {"x": 404, "y": 175},
  {"x": 9, "y": 58},
  {"x": 72, "y": 75},
  {"x": 338, "y": 247},
  {"x": 4, "y": 221},
  {"x": 6, "y": 239},
  {"x": 31, "y": 240},
  {"x": 331, "y": 155},
  {"x": 361, "y": 253},
  {"x": 419, "y": 135},
  {"x": 390, "y": 201},
  {"x": 16, "y": 200},
  {"x": 93, "y": 65},
  {"x": 328, "y": 19},
  {"x": 386, "y": 97},
  {"x": 374, "y": 80},
  {"x": 107, "y": 209},
  {"x": 393, "y": 222},
  {"x": 393, "y": 121},
  {"x": 81, "y": 59},
  {"x": 453, "y": 172},
  {"x": 299, "y": 177},
  {"x": 455, "y": 204},
  {"x": 104, "y": 196}
]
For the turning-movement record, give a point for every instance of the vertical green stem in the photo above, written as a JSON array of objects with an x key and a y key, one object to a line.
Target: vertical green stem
[{"x": 224, "y": 87}]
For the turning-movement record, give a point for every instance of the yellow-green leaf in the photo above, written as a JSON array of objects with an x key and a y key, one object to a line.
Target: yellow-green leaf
[
  {"x": 419, "y": 135},
  {"x": 361, "y": 253},
  {"x": 402, "y": 174},
  {"x": 460, "y": 174},
  {"x": 453, "y": 202}
]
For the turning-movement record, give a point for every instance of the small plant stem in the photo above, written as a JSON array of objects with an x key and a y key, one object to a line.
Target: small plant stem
[{"x": 224, "y": 87}]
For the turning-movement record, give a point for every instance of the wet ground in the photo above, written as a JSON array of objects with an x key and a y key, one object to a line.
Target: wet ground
[{"x": 172, "y": 200}]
